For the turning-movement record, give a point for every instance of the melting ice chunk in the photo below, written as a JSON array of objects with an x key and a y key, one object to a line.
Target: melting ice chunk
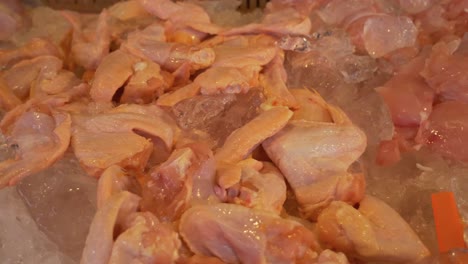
[
  {"x": 62, "y": 202},
  {"x": 21, "y": 241}
]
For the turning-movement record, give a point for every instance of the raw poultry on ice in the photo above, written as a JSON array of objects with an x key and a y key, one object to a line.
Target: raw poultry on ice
[{"x": 203, "y": 141}]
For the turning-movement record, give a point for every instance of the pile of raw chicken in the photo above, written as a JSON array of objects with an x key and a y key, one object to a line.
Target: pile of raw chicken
[{"x": 203, "y": 151}]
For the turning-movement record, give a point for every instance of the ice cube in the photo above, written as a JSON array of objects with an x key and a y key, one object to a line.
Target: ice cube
[
  {"x": 356, "y": 69},
  {"x": 21, "y": 241},
  {"x": 62, "y": 201},
  {"x": 218, "y": 115},
  {"x": 407, "y": 186}
]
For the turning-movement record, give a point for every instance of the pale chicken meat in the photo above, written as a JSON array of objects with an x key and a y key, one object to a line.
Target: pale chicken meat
[
  {"x": 147, "y": 83},
  {"x": 34, "y": 48},
  {"x": 245, "y": 51},
  {"x": 149, "y": 43},
  {"x": 112, "y": 181},
  {"x": 89, "y": 48},
  {"x": 236, "y": 234},
  {"x": 100, "y": 240},
  {"x": 39, "y": 76},
  {"x": 314, "y": 157},
  {"x": 445, "y": 130},
  {"x": 32, "y": 132},
  {"x": 273, "y": 81},
  {"x": 10, "y": 18},
  {"x": 185, "y": 178},
  {"x": 281, "y": 22},
  {"x": 145, "y": 240},
  {"x": 116, "y": 134},
  {"x": 185, "y": 22},
  {"x": 8, "y": 100},
  {"x": 243, "y": 140},
  {"x": 115, "y": 69},
  {"x": 259, "y": 188},
  {"x": 373, "y": 232},
  {"x": 224, "y": 80}
]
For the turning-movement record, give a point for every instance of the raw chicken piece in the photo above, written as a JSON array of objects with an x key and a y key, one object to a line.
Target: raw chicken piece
[
  {"x": 373, "y": 232},
  {"x": 242, "y": 51},
  {"x": 445, "y": 71},
  {"x": 40, "y": 139},
  {"x": 47, "y": 23},
  {"x": 34, "y": 48},
  {"x": 242, "y": 141},
  {"x": 262, "y": 190},
  {"x": 236, "y": 234},
  {"x": 10, "y": 18},
  {"x": 98, "y": 151},
  {"x": 21, "y": 77},
  {"x": 145, "y": 241},
  {"x": 314, "y": 157},
  {"x": 8, "y": 100},
  {"x": 88, "y": 50},
  {"x": 55, "y": 83},
  {"x": 280, "y": 22},
  {"x": 187, "y": 177},
  {"x": 149, "y": 43},
  {"x": 127, "y": 10},
  {"x": 224, "y": 80},
  {"x": 111, "y": 74},
  {"x": 329, "y": 257},
  {"x": 108, "y": 218},
  {"x": 168, "y": 191},
  {"x": 446, "y": 130},
  {"x": 407, "y": 96},
  {"x": 199, "y": 259},
  {"x": 112, "y": 181},
  {"x": 186, "y": 22},
  {"x": 147, "y": 83},
  {"x": 57, "y": 101},
  {"x": 113, "y": 137},
  {"x": 273, "y": 80},
  {"x": 311, "y": 106},
  {"x": 184, "y": 93}
]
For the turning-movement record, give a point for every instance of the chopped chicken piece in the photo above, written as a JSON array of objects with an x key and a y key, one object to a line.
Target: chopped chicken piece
[
  {"x": 114, "y": 70},
  {"x": 39, "y": 139},
  {"x": 112, "y": 137},
  {"x": 236, "y": 234},
  {"x": 34, "y": 48},
  {"x": 145, "y": 241},
  {"x": 263, "y": 189},
  {"x": 112, "y": 181},
  {"x": 147, "y": 83},
  {"x": 100, "y": 240},
  {"x": 8, "y": 100},
  {"x": 374, "y": 232},
  {"x": 314, "y": 157},
  {"x": 88, "y": 50},
  {"x": 281, "y": 22},
  {"x": 186, "y": 177},
  {"x": 273, "y": 81},
  {"x": 243, "y": 140}
]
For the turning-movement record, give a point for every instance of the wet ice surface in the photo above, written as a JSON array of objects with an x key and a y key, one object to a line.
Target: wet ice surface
[
  {"x": 21, "y": 241},
  {"x": 62, "y": 201},
  {"x": 46, "y": 217},
  {"x": 217, "y": 115}
]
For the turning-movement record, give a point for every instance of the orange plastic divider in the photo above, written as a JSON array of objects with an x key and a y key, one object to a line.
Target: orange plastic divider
[{"x": 448, "y": 224}]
